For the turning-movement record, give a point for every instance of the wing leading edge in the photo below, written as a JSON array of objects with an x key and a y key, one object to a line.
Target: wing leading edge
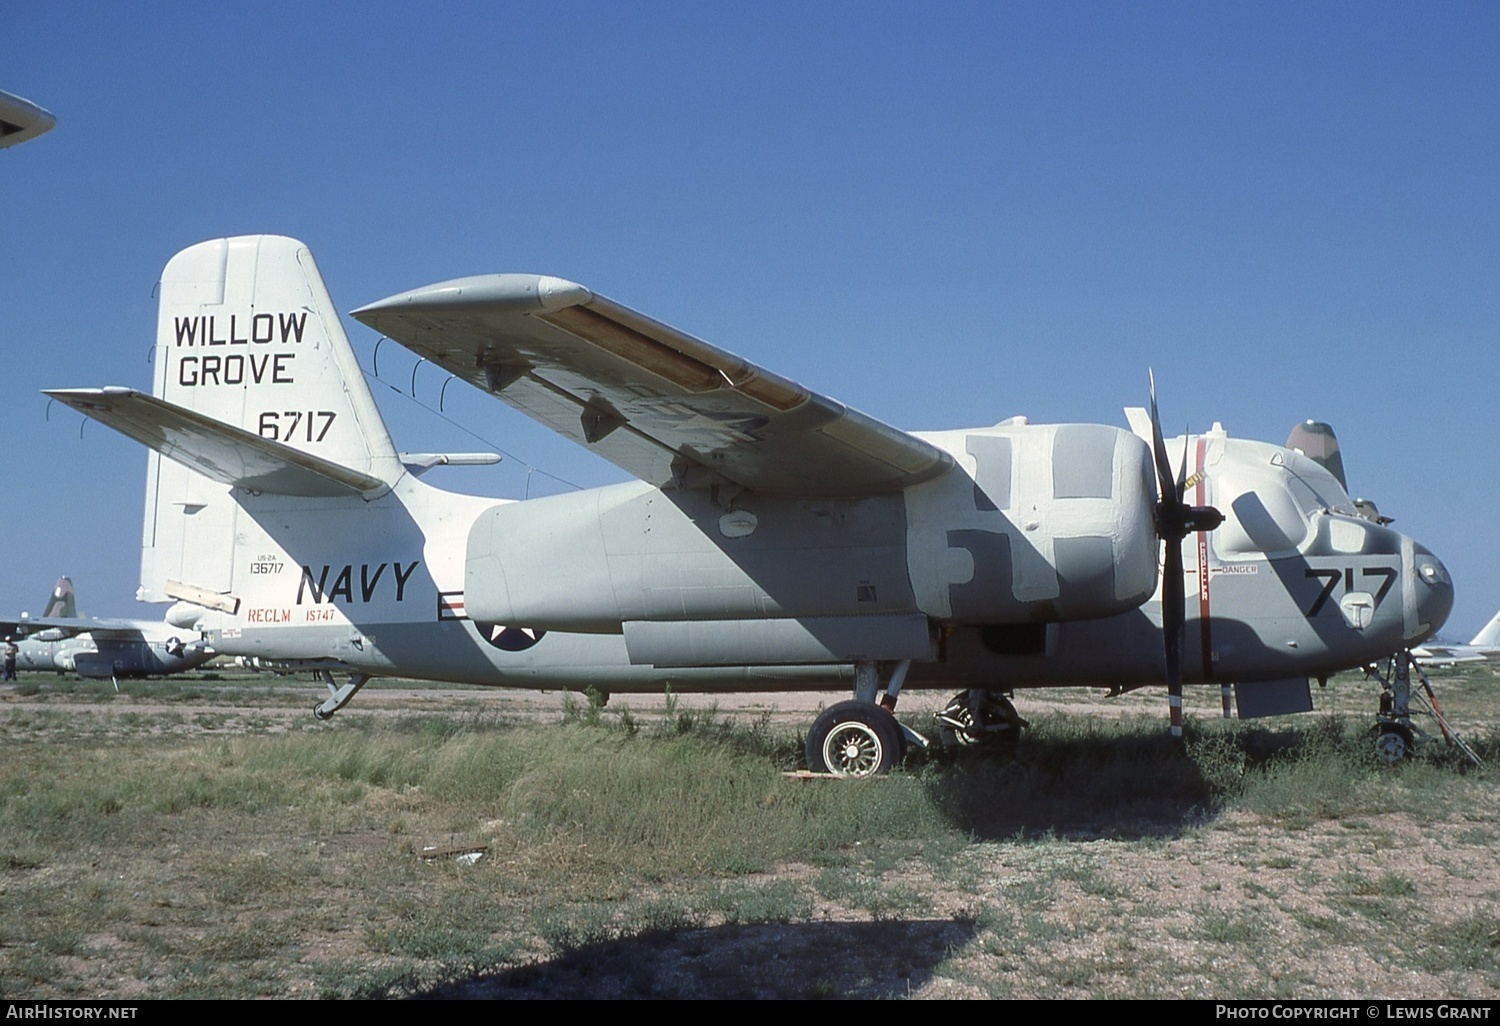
[{"x": 663, "y": 405}]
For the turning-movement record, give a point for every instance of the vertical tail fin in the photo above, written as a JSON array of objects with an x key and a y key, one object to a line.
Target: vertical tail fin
[
  {"x": 1490, "y": 634},
  {"x": 248, "y": 336},
  {"x": 1316, "y": 440},
  {"x": 62, "y": 602}
]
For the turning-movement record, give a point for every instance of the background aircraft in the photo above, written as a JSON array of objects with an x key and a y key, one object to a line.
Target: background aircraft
[
  {"x": 774, "y": 538},
  {"x": 1486, "y": 645},
  {"x": 60, "y": 640},
  {"x": 21, "y": 120}
]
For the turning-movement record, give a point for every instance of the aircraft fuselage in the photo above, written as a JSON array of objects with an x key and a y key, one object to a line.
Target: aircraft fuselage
[{"x": 633, "y": 588}]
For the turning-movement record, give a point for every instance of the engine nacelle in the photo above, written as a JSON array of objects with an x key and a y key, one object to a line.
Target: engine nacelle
[{"x": 1038, "y": 523}]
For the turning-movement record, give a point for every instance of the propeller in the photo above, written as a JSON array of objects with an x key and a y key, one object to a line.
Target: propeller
[{"x": 1175, "y": 520}]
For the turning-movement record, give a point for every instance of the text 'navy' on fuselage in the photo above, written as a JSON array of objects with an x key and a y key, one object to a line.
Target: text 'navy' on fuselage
[{"x": 317, "y": 589}]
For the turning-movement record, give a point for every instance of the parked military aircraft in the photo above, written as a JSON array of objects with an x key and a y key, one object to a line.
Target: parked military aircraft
[
  {"x": 21, "y": 120},
  {"x": 1485, "y": 646},
  {"x": 774, "y": 538},
  {"x": 62, "y": 641}
]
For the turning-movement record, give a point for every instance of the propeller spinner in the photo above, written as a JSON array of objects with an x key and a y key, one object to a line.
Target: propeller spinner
[{"x": 1175, "y": 520}]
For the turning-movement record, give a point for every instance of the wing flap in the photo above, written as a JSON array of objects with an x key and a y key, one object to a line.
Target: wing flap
[
  {"x": 667, "y": 407},
  {"x": 218, "y": 451}
]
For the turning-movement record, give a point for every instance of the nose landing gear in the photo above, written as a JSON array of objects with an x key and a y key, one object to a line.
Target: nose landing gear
[
  {"x": 1396, "y": 735},
  {"x": 854, "y": 739},
  {"x": 862, "y": 738}
]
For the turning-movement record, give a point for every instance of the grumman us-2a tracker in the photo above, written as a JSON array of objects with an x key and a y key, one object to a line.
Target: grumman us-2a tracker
[{"x": 774, "y": 539}]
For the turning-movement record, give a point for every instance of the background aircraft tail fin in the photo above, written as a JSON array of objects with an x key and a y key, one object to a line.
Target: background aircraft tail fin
[
  {"x": 247, "y": 336},
  {"x": 62, "y": 603},
  {"x": 1490, "y": 634},
  {"x": 1316, "y": 440}
]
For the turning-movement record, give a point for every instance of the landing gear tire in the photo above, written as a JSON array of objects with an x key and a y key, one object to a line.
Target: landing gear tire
[
  {"x": 854, "y": 739},
  {"x": 997, "y": 724},
  {"x": 318, "y": 713},
  {"x": 1393, "y": 743}
]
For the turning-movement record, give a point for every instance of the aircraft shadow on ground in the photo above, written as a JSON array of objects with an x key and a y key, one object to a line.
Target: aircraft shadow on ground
[
  {"x": 1088, "y": 789},
  {"x": 880, "y": 959}
]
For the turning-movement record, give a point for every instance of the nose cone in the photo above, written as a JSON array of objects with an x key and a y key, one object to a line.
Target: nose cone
[{"x": 1433, "y": 598}]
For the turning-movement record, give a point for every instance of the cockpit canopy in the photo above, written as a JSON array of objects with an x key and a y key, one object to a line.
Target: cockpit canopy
[{"x": 1269, "y": 497}]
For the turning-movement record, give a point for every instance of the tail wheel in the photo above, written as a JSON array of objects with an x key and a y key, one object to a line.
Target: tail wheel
[{"x": 854, "y": 739}]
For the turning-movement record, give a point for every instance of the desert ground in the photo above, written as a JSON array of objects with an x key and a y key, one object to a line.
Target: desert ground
[{"x": 206, "y": 837}]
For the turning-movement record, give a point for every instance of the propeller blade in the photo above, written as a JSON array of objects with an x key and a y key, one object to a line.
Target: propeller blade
[
  {"x": 1181, "y": 485},
  {"x": 1175, "y": 520},
  {"x": 1159, "y": 447},
  {"x": 1173, "y": 619}
]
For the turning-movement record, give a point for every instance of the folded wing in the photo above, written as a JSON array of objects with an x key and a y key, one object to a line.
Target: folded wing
[{"x": 665, "y": 406}]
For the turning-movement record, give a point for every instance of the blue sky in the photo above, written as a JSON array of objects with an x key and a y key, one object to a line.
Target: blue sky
[{"x": 943, "y": 216}]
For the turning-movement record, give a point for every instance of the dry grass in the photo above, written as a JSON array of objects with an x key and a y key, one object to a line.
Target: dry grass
[{"x": 209, "y": 839}]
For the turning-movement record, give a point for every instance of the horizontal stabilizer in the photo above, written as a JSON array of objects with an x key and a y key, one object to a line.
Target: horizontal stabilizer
[{"x": 218, "y": 451}]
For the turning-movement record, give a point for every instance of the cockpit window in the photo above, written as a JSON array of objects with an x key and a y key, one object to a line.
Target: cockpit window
[
  {"x": 1315, "y": 489},
  {"x": 1270, "y": 500},
  {"x": 1259, "y": 518}
]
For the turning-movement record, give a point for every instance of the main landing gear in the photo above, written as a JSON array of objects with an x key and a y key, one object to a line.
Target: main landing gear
[
  {"x": 1396, "y": 735},
  {"x": 977, "y": 718},
  {"x": 862, "y": 737},
  {"x": 854, "y": 739}
]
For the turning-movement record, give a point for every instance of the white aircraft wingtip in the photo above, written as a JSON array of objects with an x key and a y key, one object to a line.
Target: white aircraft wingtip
[
  {"x": 20, "y": 120},
  {"x": 524, "y": 293}
]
